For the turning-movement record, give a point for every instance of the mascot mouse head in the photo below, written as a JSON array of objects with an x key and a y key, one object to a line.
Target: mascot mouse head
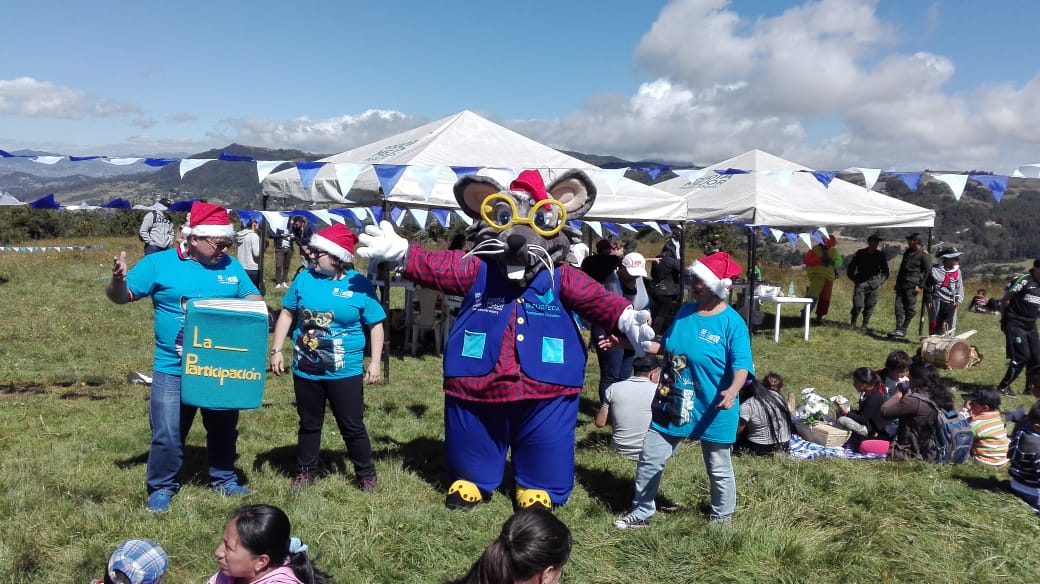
[{"x": 523, "y": 229}]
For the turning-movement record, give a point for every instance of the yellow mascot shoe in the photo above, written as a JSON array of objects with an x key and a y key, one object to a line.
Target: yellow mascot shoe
[
  {"x": 530, "y": 498},
  {"x": 463, "y": 495}
]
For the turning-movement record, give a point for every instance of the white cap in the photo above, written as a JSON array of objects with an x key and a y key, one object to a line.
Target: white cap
[{"x": 635, "y": 264}]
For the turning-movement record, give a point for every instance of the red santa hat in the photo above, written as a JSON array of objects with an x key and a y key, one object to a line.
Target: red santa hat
[
  {"x": 337, "y": 240},
  {"x": 208, "y": 221},
  {"x": 717, "y": 272}
]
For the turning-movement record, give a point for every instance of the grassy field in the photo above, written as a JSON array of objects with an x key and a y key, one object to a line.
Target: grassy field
[{"x": 74, "y": 438}]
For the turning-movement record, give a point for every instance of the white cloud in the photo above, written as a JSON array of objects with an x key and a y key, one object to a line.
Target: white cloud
[
  {"x": 32, "y": 98},
  {"x": 328, "y": 135},
  {"x": 822, "y": 83}
]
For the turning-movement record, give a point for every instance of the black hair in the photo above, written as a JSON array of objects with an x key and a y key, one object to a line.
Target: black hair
[
  {"x": 265, "y": 530},
  {"x": 531, "y": 541},
  {"x": 773, "y": 381},
  {"x": 924, "y": 377},
  {"x": 898, "y": 361},
  {"x": 773, "y": 404},
  {"x": 867, "y": 376}
]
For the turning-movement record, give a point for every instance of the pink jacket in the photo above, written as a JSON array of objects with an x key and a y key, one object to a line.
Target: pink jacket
[{"x": 283, "y": 575}]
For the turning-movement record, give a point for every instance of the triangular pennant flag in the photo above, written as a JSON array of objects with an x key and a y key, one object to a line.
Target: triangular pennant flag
[
  {"x": 956, "y": 182},
  {"x": 82, "y": 158},
  {"x": 307, "y": 172},
  {"x": 653, "y": 225},
  {"x": 653, "y": 171},
  {"x": 265, "y": 167},
  {"x": 160, "y": 162},
  {"x": 912, "y": 179},
  {"x": 346, "y": 174},
  {"x": 776, "y": 233},
  {"x": 665, "y": 227},
  {"x": 610, "y": 227},
  {"x": 764, "y": 229},
  {"x": 377, "y": 213},
  {"x": 996, "y": 183},
  {"x": 461, "y": 171},
  {"x": 46, "y": 159},
  {"x": 326, "y": 217},
  {"x": 426, "y": 178},
  {"x": 229, "y": 157},
  {"x": 276, "y": 220},
  {"x": 611, "y": 177},
  {"x": 782, "y": 176},
  {"x": 362, "y": 214},
  {"x": 502, "y": 176},
  {"x": 825, "y": 176},
  {"x": 629, "y": 227},
  {"x": 804, "y": 237},
  {"x": 691, "y": 175},
  {"x": 121, "y": 161},
  {"x": 823, "y": 231},
  {"x": 595, "y": 227},
  {"x": 388, "y": 175},
  {"x": 732, "y": 171},
  {"x": 6, "y": 154},
  {"x": 442, "y": 216},
  {"x": 397, "y": 216},
  {"x": 421, "y": 216},
  {"x": 815, "y": 236},
  {"x": 190, "y": 164},
  {"x": 791, "y": 238},
  {"x": 1017, "y": 174},
  {"x": 870, "y": 176},
  {"x": 465, "y": 218}
]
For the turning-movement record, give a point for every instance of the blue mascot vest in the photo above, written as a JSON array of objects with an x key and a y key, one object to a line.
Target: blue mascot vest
[{"x": 548, "y": 345}]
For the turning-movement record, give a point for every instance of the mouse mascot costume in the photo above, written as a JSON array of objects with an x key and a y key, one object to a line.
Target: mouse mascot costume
[{"x": 514, "y": 365}]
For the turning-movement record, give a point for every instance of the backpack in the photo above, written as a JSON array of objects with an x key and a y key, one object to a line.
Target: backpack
[{"x": 952, "y": 437}]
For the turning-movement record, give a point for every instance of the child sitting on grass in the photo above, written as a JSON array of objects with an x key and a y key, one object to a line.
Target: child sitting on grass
[
  {"x": 865, "y": 422},
  {"x": 990, "y": 443},
  {"x": 896, "y": 371},
  {"x": 1024, "y": 454},
  {"x": 979, "y": 301}
]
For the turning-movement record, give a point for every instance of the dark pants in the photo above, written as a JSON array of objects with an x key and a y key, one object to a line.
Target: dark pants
[
  {"x": 346, "y": 397},
  {"x": 663, "y": 312},
  {"x": 149, "y": 248},
  {"x": 942, "y": 318},
  {"x": 1022, "y": 348},
  {"x": 614, "y": 364},
  {"x": 282, "y": 257},
  {"x": 864, "y": 299},
  {"x": 906, "y": 307},
  {"x": 257, "y": 280}
]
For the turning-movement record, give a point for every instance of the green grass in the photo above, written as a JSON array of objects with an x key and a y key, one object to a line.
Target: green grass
[{"x": 74, "y": 439}]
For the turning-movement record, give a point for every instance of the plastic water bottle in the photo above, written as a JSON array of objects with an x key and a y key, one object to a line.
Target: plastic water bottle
[{"x": 790, "y": 289}]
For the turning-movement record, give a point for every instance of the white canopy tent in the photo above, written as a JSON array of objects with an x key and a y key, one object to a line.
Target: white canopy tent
[
  {"x": 779, "y": 193},
  {"x": 466, "y": 140}
]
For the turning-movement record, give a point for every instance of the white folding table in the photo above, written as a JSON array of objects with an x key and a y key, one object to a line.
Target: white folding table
[{"x": 779, "y": 301}]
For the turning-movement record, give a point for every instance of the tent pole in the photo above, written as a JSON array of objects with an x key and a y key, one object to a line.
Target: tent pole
[
  {"x": 384, "y": 295},
  {"x": 682, "y": 261},
  {"x": 924, "y": 305},
  {"x": 264, "y": 226},
  {"x": 749, "y": 298}
]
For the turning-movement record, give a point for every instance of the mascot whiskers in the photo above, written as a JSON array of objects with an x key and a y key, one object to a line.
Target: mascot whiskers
[{"x": 514, "y": 365}]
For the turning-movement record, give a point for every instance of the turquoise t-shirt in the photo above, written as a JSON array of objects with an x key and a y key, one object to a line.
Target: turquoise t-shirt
[
  {"x": 171, "y": 279},
  {"x": 329, "y": 340},
  {"x": 702, "y": 354}
]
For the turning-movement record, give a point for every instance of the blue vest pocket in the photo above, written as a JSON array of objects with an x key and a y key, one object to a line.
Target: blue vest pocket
[
  {"x": 552, "y": 350},
  {"x": 473, "y": 345}
]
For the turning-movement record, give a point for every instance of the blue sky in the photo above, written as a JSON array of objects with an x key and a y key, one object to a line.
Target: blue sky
[{"x": 832, "y": 83}]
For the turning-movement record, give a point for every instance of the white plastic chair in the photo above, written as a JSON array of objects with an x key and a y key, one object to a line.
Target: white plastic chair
[{"x": 427, "y": 314}]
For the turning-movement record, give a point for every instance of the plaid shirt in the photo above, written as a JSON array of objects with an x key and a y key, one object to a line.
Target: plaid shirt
[{"x": 450, "y": 273}]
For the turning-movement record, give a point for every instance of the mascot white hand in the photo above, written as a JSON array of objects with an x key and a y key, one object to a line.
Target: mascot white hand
[
  {"x": 382, "y": 243},
  {"x": 636, "y": 326}
]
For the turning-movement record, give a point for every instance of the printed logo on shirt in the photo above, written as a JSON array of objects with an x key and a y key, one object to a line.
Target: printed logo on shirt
[
  {"x": 341, "y": 293},
  {"x": 704, "y": 335},
  {"x": 222, "y": 279}
]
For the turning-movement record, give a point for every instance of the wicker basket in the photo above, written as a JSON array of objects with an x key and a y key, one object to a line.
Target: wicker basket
[{"x": 823, "y": 434}]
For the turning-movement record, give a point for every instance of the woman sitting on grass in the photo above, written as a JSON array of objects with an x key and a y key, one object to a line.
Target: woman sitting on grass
[
  {"x": 765, "y": 420},
  {"x": 865, "y": 422},
  {"x": 917, "y": 418},
  {"x": 532, "y": 548},
  {"x": 257, "y": 548}
]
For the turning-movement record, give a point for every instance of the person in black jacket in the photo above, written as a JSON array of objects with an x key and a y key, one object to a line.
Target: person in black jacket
[
  {"x": 666, "y": 287},
  {"x": 868, "y": 269},
  {"x": 909, "y": 283}
]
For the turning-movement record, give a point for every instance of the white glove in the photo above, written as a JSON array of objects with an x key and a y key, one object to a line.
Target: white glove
[
  {"x": 634, "y": 323},
  {"x": 382, "y": 243}
]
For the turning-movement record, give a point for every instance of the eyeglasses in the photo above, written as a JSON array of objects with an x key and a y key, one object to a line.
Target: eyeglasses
[
  {"x": 547, "y": 217},
  {"x": 218, "y": 245}
]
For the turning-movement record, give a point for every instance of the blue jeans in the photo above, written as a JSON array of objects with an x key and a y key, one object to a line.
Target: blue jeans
[
  {"x": 171, "y": 421},
  {"x": 658, "y": 448},
  {"x": 614, "y": 364}
]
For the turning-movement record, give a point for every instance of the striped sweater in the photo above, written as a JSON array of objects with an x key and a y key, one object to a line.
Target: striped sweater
[{"x": 990, "y": 446}]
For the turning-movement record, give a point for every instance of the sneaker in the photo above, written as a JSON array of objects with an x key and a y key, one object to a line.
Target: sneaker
[
  {"x": 138, "y": 378},
  {"x": 1006, "y": 391},
  {"x": 368, "y": 484},
  {"x": 159, "y": 501},
  {"x": 898, "y": 333},
  {"x": 301, "y": 481},
  {"x": 231, "y": 490},
  {"x": 720, "y": 520},
  {"x": 630, "y": 521}
]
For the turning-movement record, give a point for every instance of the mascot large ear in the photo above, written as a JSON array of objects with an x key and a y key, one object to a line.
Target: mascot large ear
[
  {"x": 576, "y": 191},
  {"x": 471, "y": 190}
]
